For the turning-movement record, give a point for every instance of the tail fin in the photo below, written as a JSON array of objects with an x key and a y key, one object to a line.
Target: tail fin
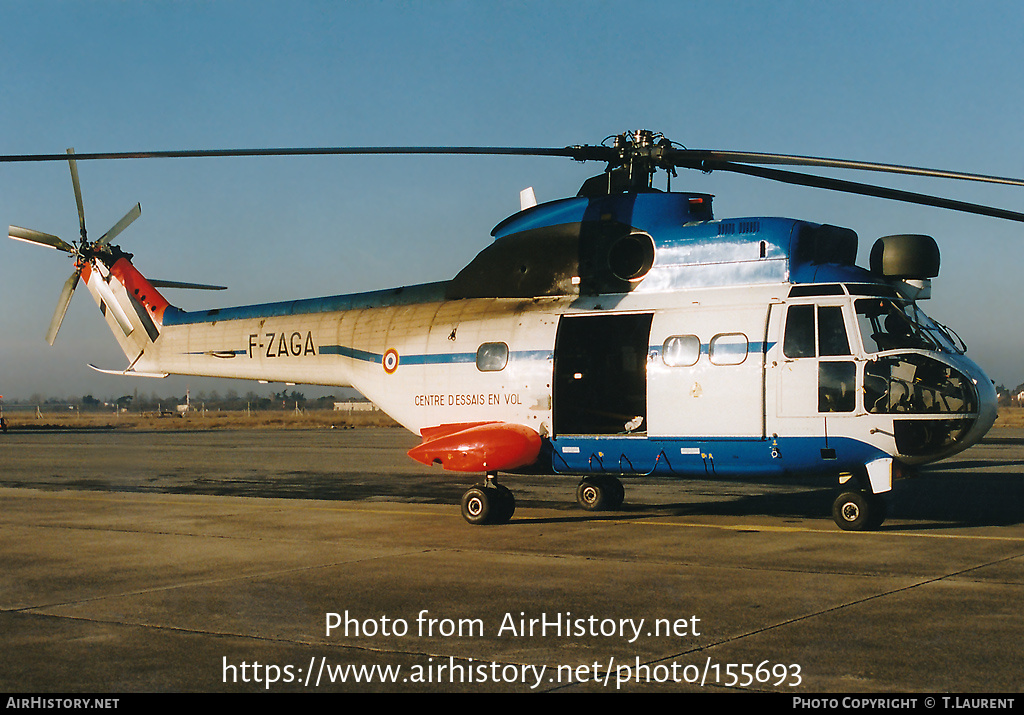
[{"x": 132, "y": 307}]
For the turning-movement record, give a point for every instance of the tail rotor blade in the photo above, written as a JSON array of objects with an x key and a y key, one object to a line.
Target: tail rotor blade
[
  {"x": 78, "y": 190},
  {"x": 62, "y": 307},
  {"x": 38, "y": 237},
  {"x": 121, "y": 225}
]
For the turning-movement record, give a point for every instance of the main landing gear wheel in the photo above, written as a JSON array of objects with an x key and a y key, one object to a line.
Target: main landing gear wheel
[
  {"x": 600, "y": 492},
  {"x": 488, "y": 504},
  {"x": 859, "y": 511}
]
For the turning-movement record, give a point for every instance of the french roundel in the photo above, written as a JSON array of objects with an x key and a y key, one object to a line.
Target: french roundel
[{"x": 390, "y": 361}]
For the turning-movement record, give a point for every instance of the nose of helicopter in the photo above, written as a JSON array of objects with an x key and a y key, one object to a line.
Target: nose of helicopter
[
  {"x": 941, "y": 403},
  {"x": 988, "y": 405},
  {"x": 986, "y": 410}
]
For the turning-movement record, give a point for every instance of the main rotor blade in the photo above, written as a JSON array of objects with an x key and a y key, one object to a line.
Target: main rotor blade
[
  {"x": 583, "y": 152},
  {"x": 156, "y": 283},
  {"x": 850, "y": 187},
  {"x": 121, "y": 225},
  {"x": 660, "y": 155},
  {"x": 685, "y": 157},
  {"x": 62, "y": 306},
  {"x": 78, "y": 191},
  {"x": 38, "y": 237},
  {"x": 688, "y": 158}
]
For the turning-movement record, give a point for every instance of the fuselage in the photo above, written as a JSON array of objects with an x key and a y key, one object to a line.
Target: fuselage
[{"x": 633, "y": 333}]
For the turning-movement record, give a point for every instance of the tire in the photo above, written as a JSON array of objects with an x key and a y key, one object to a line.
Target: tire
[
  {"x": 593, "y": 494},
  {"x": 617, "y": 493},
  {"x": 880, "y": 509},
  {"x": 478, "y": 505},
  {"x": 858, "y": 511},
  {"x": 488, "y": 505},
  {"x": 506, "y": 505}
]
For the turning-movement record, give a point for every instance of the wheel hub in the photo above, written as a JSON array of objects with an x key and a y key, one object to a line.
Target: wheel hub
[{"x": 851, "y": 512}]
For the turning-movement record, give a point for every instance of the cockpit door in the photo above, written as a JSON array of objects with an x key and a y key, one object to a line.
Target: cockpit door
[{"x": 813, "y": 367}]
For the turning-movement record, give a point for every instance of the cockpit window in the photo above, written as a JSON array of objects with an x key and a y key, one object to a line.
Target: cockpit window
[
  {"x": 893, "y": 324},
  {"x": 832, "y": 338},
  {"x": 801, "y": 340},
  {"x": 917, "y": 384}
]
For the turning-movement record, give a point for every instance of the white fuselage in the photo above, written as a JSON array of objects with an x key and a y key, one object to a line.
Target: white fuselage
[{"x": 698, "y": 366}]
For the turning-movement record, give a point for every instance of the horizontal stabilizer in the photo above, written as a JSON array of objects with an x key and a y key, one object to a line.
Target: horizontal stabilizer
[
  {"x": 156, "y": 283},
  {"x": 129, "y": 371}
]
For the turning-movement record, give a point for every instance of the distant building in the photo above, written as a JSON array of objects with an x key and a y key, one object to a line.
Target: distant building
[{"x": 355, "y": 407}]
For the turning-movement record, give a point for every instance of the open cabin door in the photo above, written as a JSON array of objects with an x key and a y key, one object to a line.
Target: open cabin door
[{"x": 600, "y": 374}]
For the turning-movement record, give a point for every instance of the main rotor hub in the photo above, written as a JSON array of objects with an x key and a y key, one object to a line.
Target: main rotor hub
[
  {"x": 633, "y": 159},
  {"x": 638, "y": 139}
]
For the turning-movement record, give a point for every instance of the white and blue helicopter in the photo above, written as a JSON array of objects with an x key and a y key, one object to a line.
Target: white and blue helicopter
[{"x": 623, "y": 332}]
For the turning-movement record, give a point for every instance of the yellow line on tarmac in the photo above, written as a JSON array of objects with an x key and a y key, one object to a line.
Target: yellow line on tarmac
[{"x": 836, "y": 531}]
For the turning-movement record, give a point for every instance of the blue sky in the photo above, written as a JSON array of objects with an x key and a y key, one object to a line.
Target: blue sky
[{"x": 922, "y": 83}]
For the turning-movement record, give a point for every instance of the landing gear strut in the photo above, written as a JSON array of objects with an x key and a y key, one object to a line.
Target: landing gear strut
[
  {"x": 600, "y": 492},
  {"x": 488, "y": 503},
  {"x": 859, "y": 511}
]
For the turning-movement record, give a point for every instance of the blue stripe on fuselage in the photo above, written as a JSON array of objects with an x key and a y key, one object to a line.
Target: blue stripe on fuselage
[
  {"x": 427, "y": 359},
  {"x": 350, "y": 353}
]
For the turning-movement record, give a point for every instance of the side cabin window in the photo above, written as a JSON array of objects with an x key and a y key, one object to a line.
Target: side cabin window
[
  {"x": 491, "y": 357},
  {"x": 724, "y": 349},
  {"x": 728, "y": 349},
  {"x": 681, "y": 351}
]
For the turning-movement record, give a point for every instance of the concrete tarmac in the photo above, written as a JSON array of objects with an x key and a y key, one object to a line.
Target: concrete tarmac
[{"x": 327, "y": 561}]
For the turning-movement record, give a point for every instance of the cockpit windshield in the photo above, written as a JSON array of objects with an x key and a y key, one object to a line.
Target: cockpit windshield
[{"x": 887, "y": 324}]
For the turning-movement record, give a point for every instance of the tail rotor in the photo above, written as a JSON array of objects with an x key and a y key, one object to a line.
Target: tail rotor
[{"x": 82, "y": 250}]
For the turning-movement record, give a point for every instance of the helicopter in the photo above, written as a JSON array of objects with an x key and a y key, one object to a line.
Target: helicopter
[{"x": 623, "y": 332}]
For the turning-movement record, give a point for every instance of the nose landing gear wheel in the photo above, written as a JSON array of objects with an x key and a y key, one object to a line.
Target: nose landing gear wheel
[{"x": 859, "y": 511}]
